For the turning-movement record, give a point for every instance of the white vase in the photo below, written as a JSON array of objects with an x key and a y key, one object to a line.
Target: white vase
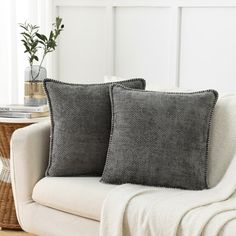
[{"x": 34, "y": 92}]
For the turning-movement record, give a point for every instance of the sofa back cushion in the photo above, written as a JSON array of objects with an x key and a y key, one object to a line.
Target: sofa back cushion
[
  {"x": 222, "y": 146},
  {"x": 81, "y": 121}
]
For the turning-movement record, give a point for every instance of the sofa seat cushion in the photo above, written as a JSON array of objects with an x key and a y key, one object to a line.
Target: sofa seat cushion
[{"x": 82, "y": 196}]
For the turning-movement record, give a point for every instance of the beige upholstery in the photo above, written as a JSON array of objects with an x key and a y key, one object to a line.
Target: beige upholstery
[
  {"x": 82, "y": 196},
  {"x": 29, "y": 158},
  {"x": 45, "y": 221},
  {"x": 222, "y": 138}
]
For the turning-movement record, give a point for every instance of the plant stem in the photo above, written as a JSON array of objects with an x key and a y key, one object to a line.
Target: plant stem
[
  {"x": 40, "y": 66},
  {"x": 31, "y": 70}
]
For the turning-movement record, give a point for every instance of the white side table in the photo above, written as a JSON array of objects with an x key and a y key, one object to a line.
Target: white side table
[{"x": 8, "y": 217}]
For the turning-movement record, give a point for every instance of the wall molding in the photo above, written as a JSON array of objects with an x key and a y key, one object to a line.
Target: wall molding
[
  {"x": 150, "y": 3},
  {"x": 175, "y": 6}
]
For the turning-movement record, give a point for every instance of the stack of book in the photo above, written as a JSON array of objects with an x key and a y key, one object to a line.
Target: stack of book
[{"x": 21, "y": 111}]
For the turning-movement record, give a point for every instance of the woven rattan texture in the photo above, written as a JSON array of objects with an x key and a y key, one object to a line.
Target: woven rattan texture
[
  {"x": 7, "y": 208},
  {"x": 6, "y": 130}
]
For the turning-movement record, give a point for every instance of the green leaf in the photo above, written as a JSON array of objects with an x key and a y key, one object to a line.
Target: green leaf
[
  {"x": 35, "y": 27},
  {"x": 24, "y": 27},
  {"x": 58, "y": 22},
  {"x": 27, "y": 48},
  {"x": 42, "y": 37},
  {"x": 25, "y": 38},
  {"x": 31, "y": 41},
  {"x": 23, "y": 33},
  {"x": 52, "y": 44},
  {"x": 39, "y": 36},
  {"x": 34, "y": 44},
  {"x": 51, "y": 35},
  {"x": 41, "y": 42}
]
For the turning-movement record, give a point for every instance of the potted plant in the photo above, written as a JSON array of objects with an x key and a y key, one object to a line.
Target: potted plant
[{"x": 34, "y": 43}]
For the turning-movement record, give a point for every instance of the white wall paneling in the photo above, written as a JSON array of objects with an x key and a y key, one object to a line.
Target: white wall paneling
[
  {"x": 5, "y": 61},
  {"x": 82, "y": 51},
  {"x": 142, "y": 39},
  {"x": 208, "y": 48},
  {"x": 187, "y": 43}
]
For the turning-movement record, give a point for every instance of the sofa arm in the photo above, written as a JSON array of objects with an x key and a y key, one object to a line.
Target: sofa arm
[{"x": 28, "y": 161}]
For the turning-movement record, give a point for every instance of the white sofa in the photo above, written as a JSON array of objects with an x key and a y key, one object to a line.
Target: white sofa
[{"x": 70, "y": 206}]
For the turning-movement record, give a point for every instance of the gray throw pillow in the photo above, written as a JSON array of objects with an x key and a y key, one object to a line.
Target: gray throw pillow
[
  {"x": 159, "y": 138},
  {"x": 81, "y": 122}
]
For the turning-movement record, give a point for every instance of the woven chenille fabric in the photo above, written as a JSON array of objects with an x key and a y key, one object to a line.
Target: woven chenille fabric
[
  {"x": 159, "y": 138},
  {"x": 81, "y": 122}
]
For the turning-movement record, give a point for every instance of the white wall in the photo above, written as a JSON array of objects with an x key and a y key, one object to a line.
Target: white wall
[
  {"x": 208, "y": 48},
  {"x": 189, "y": 43},
  {"x": 5, "y": 45}
]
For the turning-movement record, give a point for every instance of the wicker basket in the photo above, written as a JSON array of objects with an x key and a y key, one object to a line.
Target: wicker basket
[{"x": 8, "y": 217}]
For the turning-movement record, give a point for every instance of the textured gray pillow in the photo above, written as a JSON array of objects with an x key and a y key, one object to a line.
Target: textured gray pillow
[
  {"x": 159, "y": 138},
  {"x": 81, "y": 122}
]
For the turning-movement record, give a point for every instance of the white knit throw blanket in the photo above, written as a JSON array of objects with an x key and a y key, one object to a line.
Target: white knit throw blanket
[{"x": 148, "y": 211}]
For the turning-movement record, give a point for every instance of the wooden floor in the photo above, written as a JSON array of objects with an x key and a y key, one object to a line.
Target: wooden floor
[{"x": 13, "y": 233}]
